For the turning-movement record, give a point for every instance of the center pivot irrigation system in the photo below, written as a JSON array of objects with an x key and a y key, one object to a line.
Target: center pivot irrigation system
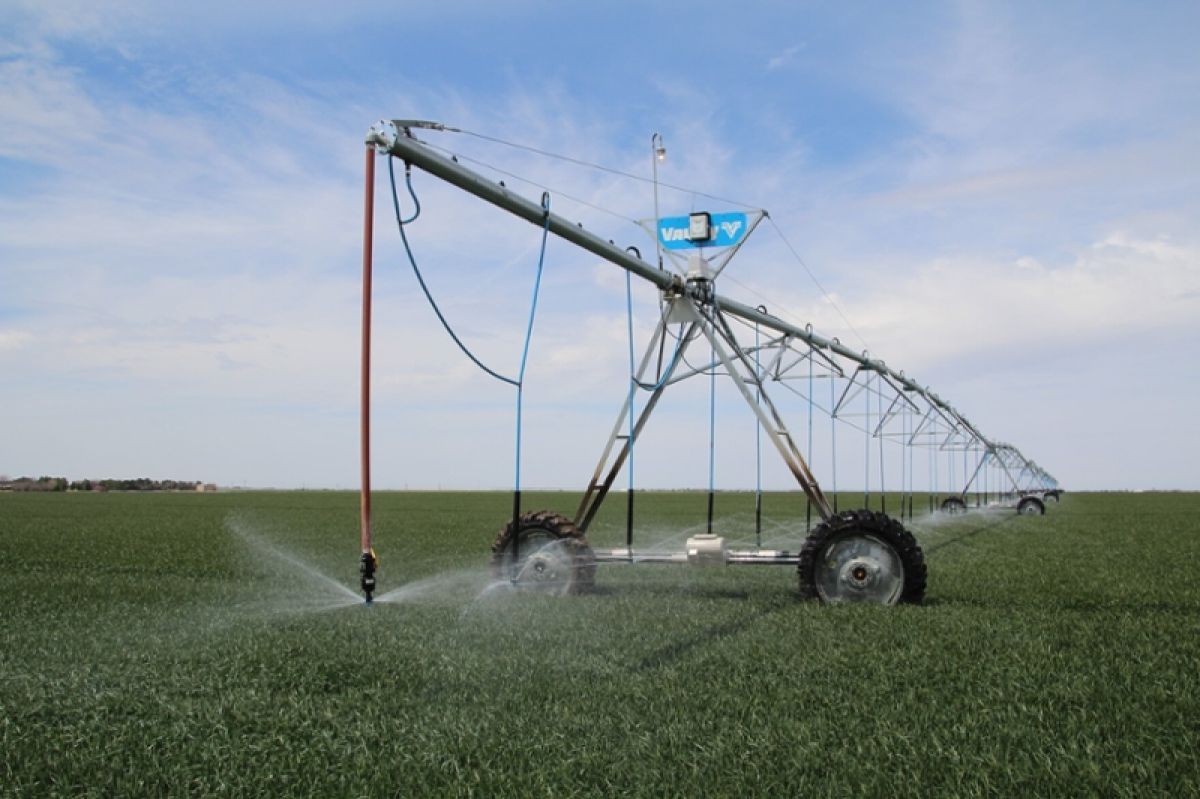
[{"x": 858, "y": 555}]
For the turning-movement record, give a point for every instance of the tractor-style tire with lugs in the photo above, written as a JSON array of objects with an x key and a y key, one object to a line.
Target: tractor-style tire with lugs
[
  {"x": 1031, "y": 506},
  {"x": 554, "y": 555},
  {"x": 886, "y": 544},
  {"x": 954, "y": 506}
]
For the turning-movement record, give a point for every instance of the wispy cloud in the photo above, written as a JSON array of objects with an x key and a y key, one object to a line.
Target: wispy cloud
[
  {"x": 784, "y": 58},
  {"x": 14, "y": 339}
]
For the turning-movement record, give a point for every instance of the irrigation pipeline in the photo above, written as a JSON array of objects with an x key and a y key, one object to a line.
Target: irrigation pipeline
[
  {"x": 367, "y": 561},
  {"x": 397, "y": 140}
]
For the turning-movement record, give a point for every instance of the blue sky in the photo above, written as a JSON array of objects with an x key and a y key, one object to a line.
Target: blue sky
[{"x": 1000, "y": 197}]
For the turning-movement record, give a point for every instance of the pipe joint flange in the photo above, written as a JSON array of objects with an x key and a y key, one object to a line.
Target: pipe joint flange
[{"x": 382, "y": 135}]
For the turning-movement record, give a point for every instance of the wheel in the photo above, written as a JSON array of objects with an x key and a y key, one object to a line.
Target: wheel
[
  {"x": 1052, "y": 495},
  {"x": 554, "y": 556},
  {"x": 1031, "y": 506},
  {"x": 862, "y": 556},
  {"x": 954, "y": 506}
]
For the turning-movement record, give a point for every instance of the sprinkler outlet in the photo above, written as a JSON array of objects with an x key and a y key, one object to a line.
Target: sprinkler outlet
[{"x": 366, "y": 568}]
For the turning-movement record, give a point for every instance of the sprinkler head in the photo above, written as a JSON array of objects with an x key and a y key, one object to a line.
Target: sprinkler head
[{"x": 366, "y": 568}]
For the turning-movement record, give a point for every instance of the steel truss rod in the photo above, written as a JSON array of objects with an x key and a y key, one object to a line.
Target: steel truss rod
[
  {"x": 774, "y": 427},
  {"x": 599, "y": 487},
  {"x": 725, "y": 345},
  {"x": 396, "y": 138},
  {"x": 1023, "y": 474},
  {"x": 978, "y": 468}
]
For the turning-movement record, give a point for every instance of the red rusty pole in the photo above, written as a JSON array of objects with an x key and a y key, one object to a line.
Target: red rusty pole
[{"x": 367, "y": 564}]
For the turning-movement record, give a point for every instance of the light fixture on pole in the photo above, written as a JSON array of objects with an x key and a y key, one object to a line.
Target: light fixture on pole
[{"x": 660, "y": 154}]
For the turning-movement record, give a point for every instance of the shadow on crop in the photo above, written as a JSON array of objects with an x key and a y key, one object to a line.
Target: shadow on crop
[
  {"x": 710, "y": 635},
  {"x": 669, "y": 588},
  {"x": 1072, "y": 605},
  {"x": 969, "y": 534}
]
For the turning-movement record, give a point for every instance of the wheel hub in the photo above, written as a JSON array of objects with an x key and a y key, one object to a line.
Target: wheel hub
[
  {"x": 540, "y": 567},
  {"x": 859, "y": 568},
  {"x": 548, "y": 569},
  {"x": 860, "y": 573}
]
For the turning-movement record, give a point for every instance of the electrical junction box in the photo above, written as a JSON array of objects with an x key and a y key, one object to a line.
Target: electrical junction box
[
  {"x": 700, "y": 226},
  {"x": 699, "y": 268},
  {"x": 706, "y": 550}
]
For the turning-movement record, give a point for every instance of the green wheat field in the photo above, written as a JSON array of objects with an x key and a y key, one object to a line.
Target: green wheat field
[{"x": 196, "y": 645}]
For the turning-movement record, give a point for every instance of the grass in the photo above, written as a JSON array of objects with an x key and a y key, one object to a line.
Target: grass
[{"x": 164, "y": 645}]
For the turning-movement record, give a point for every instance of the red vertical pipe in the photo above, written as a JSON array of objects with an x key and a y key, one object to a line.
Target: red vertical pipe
[{"x": 365, "y": 408}]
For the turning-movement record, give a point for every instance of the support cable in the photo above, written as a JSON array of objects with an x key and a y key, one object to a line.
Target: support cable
[
  {"x": 599, "y": 167},
  {"x": 457, "y": 156},
  {"x": 816, "y": 282}
]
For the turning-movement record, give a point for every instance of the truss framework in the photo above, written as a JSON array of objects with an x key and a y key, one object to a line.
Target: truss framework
[{"x": 866, "y": 393}]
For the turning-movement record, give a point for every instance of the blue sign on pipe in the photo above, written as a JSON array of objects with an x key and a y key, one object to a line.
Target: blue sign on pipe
[{"x": 727, "y": 230}]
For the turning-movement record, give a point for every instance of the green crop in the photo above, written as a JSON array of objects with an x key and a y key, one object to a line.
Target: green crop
[{"x": 188, "y": 645}]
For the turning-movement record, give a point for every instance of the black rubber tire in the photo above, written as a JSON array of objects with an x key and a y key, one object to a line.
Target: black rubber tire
[
  {"x": 1054, "y": 495},
  {"x": 858, "y": 522},
  {"x": 547, "y": 524},
  {"x": 1031, "y": 506},
  {"x": 954, "y": 506}
]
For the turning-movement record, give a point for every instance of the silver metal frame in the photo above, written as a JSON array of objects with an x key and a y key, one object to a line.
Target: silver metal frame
[{"x": 784, "y": 359}]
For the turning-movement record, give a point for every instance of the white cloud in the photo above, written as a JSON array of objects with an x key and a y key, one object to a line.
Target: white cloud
[
  {"x": 784, "y": 58},
  {"x": 950, "y": 308},
  {"x": 43, "y": 111},
  {"x": 14, "y": 339}
]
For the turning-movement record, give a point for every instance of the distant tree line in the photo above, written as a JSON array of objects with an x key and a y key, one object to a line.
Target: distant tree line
[{"x": 46, "y": 483}]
